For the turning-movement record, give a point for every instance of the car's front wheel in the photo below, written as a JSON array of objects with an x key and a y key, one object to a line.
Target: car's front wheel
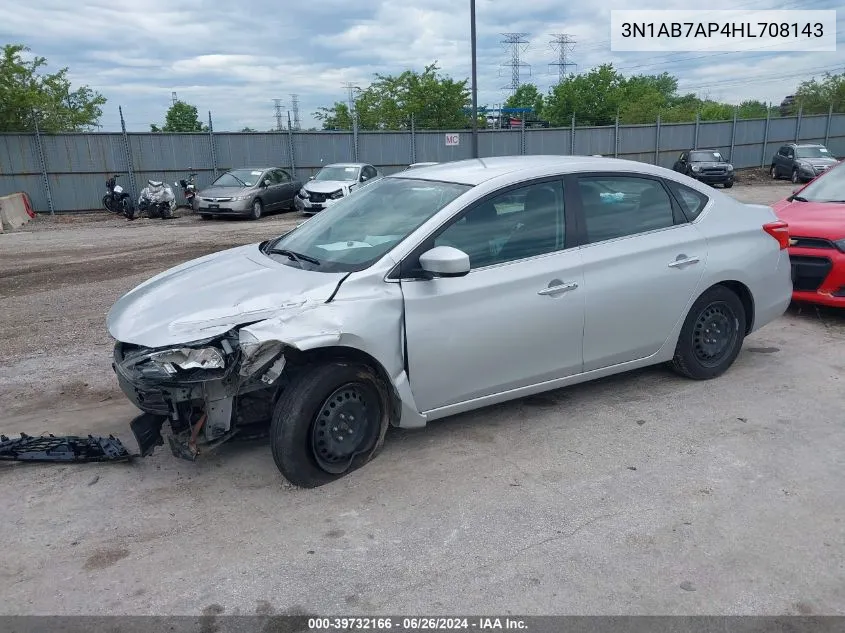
[
  {"x": 773, "y": 172},
  {"x": 711, "y": 336},
  {"x": 795, "y": 177},
  {"x": 330, "y": 420},
  {"x": 257, "y": 210},
  {"x": 729, "y": 184}
]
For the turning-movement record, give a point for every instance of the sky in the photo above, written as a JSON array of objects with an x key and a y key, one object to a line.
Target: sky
[{"x": 235, "y": 58}]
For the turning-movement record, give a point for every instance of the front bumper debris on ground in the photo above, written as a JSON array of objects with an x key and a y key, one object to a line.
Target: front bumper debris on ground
[{"x": 49, "y": 448}]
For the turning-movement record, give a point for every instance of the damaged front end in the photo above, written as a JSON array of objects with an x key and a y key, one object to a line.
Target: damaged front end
[{"x": 208, "y": 390}]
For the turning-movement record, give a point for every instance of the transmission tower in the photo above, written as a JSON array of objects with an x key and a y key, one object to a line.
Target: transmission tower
[
  {"x": 517, "y": 44},
  {"x": 173, "y": 98},
  {"x": 351, "y": 89},
  {"x": 564, "y": 45},
  {"x": 294, "y": 105},
  {"x": 279, "y": 125}
]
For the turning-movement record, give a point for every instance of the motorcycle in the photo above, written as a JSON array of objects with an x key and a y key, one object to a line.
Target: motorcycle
[
  {"x": 189, "y": 190},
  {"x": 156, "y": 200},
  {"x": 116, "y": 199}
]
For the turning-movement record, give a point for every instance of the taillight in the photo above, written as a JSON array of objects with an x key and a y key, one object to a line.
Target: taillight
[{"x": 780, "y": 231}]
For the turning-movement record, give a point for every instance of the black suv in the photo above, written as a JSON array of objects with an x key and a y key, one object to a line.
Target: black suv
[
  {"x": 801, "y": 162},
  {"x": 706, "y": 165}
]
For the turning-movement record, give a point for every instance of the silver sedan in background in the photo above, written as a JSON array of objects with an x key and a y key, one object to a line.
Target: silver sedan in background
[{"x": 444, "y": 289}]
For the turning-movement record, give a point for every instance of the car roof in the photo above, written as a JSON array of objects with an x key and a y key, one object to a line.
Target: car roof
[
  {"x": 805, "y": 144},
  {"x": 257, "y": 168},
  {"x": 476, "y": 171},
  {"x": 348, "y": 165}
]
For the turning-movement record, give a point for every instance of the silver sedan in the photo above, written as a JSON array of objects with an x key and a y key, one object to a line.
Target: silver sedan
[{"x": 441, "y": 290}]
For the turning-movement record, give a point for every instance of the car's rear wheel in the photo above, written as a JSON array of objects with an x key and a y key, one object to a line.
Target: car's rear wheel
[
  {"x": 330, "y": 420},
  {"x": 728, "y": 185},
  {"x": 711, "y": 336},
  {"x": 257, "y": 210}
]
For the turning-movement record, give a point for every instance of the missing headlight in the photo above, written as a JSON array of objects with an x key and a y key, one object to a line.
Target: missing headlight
[{"x": 187, "y": 358}]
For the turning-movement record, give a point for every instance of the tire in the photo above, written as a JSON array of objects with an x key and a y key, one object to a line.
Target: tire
[
  {"x": 205, "y": 216},
  {"x": 107, "y": 203},
  {"x": 257, "y": 210},
  {"x": 795, "y": 177},
  {"x": 717, "y": 306},
  {"x": 167, "y": 213},
  {"x": 306, "y": 410},
  {"x": 728, "y": 185},
  {"x": 773, "y": 172},
  {"x": 127, "y": 208}
]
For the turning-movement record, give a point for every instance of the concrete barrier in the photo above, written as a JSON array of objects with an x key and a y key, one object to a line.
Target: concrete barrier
[{"x": 15, "y": 211}]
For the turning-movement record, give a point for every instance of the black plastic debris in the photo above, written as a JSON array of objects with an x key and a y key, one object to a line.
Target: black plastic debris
[{"x": 49, "y": 448}]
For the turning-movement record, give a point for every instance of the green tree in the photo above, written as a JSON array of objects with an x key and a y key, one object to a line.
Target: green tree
[
  {"x": 594, "y": 98},
  {"x": 247, "y": 129},
  {"x": 181, "y": 117},
  {"x": 816, "y": 97},
  {"x": 25, "y": 92},
  {"x": 527, "y": 96},
  {"x": 435, "y": 100}
]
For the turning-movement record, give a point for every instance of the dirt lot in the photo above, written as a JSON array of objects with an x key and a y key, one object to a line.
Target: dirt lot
[{"x": 644, "y": 493}]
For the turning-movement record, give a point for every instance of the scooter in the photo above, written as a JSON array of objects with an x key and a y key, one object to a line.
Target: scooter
[
  {"x": 156, "y": 200},
  {"x": 189, "y": 190},
  {"x": 116, "y": 199}
]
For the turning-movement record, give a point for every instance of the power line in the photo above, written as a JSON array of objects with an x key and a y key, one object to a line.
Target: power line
[
  {"x": 278, "y": 108},
  {"x": 517, "y": 44},
  {"x": 564, "y": 45},
  {"x": 294, "y": 105}
]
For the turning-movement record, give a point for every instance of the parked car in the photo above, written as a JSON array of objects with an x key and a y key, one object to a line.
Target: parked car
[
  {"x": 801, "y": 162},
  {"x": 332, "y": 183},
  {"x": 816, "y": 217},
  {"x": 248, "y": 191},
  {"x": 442, "y": 290},
  {"x": 417, "y": 165},
  {"x": 706, "y": 165}
]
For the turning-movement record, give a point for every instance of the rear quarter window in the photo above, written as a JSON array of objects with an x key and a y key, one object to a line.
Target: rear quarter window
[{"x": 692, "y": 202}]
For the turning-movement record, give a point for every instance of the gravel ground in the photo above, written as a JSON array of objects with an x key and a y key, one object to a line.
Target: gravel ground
[{"x": 639, "y": 494}]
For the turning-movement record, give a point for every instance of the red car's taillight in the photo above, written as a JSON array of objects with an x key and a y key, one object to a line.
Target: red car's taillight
[{"x": 780, "y": 231}]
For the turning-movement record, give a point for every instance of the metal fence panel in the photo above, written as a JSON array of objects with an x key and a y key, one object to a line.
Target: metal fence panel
[
  {"x": 389, "y": 150},
  {"x": 77, "y": 164},
  {"x": 498, "y": 143},
  {"x": 552, "y": 142}
]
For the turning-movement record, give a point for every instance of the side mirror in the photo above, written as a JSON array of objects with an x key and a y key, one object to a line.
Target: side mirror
[
  {"x": 363, "y": 178},
  {"x": 445, "y": 261},
  {"x": 266, "y": 182},
  {"x": 311, "y": 177}
]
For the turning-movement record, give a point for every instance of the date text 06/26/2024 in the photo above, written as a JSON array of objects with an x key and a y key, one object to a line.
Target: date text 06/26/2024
[{"x": 723, "y": 31}]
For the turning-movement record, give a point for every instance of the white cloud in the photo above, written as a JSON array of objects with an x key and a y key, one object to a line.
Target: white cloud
[{"x": 234, "y": 59}]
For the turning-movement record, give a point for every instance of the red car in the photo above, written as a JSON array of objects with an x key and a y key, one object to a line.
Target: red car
[{"x": 816, "y": 217}]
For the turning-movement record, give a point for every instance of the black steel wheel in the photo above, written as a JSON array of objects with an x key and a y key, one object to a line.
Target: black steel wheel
[
  {"x": 330, "y": 420},
  {"x": 712, "y": 335},
  {"x": 343, "y": 426}
]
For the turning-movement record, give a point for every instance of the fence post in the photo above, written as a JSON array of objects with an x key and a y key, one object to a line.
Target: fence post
[
  {"x": 657, "y": 142},
  {"x": 697, "y": 126},
  {"x": 128, "y": 151},
  {"x": 355, "y": 136},
  {"x": 766, "y": 136},
  {"x": 413, "y": 140},
  {"x": 290, "y": 149},
  {"x": 211, "y": 144},
  {"x": 572, "y": 137},
  {"x": 522, "y": 137},
  {"x": 43, "y": 162},
  {"x": 798, "y": 123},
  {"x": 733, "y": 137},
  {"x": 827, "y": 130},
  {"x": 616, "y": 137}
]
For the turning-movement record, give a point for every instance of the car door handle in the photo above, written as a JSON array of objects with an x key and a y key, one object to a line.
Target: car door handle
[
  {"x": 684, "y": 261},
  {"x": 558, "y": 289}
]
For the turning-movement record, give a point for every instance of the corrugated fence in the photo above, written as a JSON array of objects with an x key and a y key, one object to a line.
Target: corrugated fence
[{"x": 69, "y": 172}]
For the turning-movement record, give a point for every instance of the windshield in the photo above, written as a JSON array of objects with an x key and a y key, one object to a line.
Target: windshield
[
  {"x": 827, "y": 188},
  {"x": 812, "y": 152},
  {"x": 706, "y": 157},
  {"x": 337, "y": 173},
  {"x": 238, "y": 178},
  {"x": 359, "y": 229}
]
